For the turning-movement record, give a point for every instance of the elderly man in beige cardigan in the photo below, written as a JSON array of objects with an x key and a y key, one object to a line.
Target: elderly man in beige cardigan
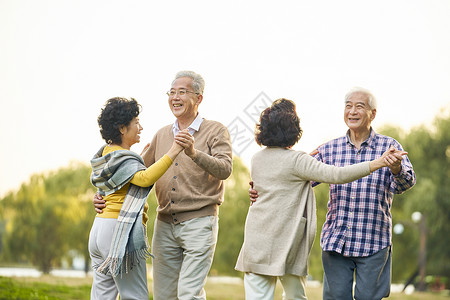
[{"x": 189, "y": 194}]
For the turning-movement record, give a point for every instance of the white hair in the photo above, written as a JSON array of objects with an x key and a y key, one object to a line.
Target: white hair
[
  {"x": 198, "y": 83},
  {"x": 372, "y": 100}
]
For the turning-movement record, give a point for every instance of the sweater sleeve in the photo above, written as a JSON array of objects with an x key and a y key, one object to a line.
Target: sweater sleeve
[
  {"x": 219, "y": 164},
  {"x": 310, "y": 169},
  {"x": 150, "y": 175}
]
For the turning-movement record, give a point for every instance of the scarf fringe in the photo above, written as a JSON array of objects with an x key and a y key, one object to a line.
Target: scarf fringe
[{"x": 117, "y": 266}]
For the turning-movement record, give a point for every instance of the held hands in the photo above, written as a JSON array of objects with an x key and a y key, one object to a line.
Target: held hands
[
  {"x": 175, "y": 149},
  {"x": 186, "y": 140},
  {"x": 393, "y": 159}
]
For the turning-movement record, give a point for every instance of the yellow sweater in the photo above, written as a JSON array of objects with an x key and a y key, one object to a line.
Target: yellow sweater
[{"x": 142, "y": 178}]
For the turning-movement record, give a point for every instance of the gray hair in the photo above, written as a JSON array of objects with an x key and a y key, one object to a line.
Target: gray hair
[
  {"x": 198, "y": 83},
  {"x": 372, "y": 100}
]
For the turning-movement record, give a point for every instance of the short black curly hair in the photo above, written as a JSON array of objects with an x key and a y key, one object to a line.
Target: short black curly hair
[
  {"x": 118, "y": 112},
  {"x": 279, "y": 125}
]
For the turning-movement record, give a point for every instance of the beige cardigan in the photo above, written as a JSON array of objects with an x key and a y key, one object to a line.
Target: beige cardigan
[
  {"x": 192, "y": 188},
  {"x": 281, "y": 225}
]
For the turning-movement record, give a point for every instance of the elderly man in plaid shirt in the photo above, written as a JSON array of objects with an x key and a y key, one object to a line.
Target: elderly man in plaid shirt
[{"x": 356, "y": 237}]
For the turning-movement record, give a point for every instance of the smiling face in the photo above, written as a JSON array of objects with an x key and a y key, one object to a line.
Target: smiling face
[
  {"x": 357, "y": 114},
  {"x": 131, "y": 133},
  {"x": 184, "y": 107}
]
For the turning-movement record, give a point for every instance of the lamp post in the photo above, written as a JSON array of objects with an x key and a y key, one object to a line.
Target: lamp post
[{"x": 420, "y": 219}]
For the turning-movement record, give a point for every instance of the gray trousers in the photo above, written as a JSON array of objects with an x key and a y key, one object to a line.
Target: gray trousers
[
  {"x": 131, "y": 285},
  {"x": 183, "y": 257},
  {"x": 372, "y": 276}
]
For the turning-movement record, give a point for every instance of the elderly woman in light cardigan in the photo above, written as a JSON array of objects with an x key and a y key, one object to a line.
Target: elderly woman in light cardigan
[{"x": 281, "y": 225}]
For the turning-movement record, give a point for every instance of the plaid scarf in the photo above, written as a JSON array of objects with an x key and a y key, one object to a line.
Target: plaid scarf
[{"x": 129, "y": 243}]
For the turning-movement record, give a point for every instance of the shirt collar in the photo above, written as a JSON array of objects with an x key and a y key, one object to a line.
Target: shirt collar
[
  {"x": 195, "y": 126},
  {"x": 367, "y": 142}
]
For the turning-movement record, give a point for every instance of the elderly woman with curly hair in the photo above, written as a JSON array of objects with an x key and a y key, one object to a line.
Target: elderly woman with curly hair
[
  {"x": 281, "y": 225},
  {"x": 118, "y": 240}
]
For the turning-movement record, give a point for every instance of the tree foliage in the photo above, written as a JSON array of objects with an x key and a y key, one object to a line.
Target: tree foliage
[
  {"x": 429, "y": 151},
  {"x": 233, "y": 213},
  {"x": 42, "y": 219}
]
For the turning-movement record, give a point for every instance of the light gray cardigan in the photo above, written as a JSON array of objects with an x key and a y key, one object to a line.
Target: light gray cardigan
[{"x": 281, "y": 225}]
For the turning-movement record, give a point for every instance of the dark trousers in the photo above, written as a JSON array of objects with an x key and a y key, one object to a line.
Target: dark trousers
[{"x": 372, "y": 275}]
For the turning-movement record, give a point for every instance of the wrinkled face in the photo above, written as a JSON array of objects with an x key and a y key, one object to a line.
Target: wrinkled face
[
  {"x": 130, "y": 133},
  {"x": 357, "y": 113},
  {"x": 184, "y": 107}
]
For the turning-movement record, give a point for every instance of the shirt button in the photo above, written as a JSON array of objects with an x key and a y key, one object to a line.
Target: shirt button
[
  {"x": 174, "y": 177},
  {"x": 173, "y": 189},
  {"x": 172, "y": 201},
  {"x": 176, "y": 164},
  {"x": 175, "y": 220}
]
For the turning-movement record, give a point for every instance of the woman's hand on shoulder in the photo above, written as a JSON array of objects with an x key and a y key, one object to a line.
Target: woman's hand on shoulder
[{"x": 144, "y": 151}]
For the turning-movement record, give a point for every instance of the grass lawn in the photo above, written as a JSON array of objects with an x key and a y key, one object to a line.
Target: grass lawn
[{"x": 49, "y": 287}]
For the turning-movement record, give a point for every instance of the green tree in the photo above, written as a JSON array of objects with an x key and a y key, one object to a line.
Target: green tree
[
  {"x": 81, "y": 217},
  {"x": 48, "y": 244},
  {"x": 315, "y": 259},
  {"x": 233, "y": 213},
  {"x": 429, "y": 151},
  {"x": 72, "y": 184},
  {"x": 430, "y": 154},
  {"x": 40, "y": 218}
]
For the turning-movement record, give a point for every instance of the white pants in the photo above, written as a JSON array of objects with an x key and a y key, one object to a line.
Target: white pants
[
  {"x": 131, "y": 285},
  {"x": 183, "y": 257},
  {"x": 262, "y": 287}
]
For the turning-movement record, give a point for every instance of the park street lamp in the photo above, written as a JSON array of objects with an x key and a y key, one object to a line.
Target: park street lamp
[{"x": 420, "y": 219}]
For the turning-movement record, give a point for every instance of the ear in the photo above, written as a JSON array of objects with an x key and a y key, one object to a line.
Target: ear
[
  {"x": 374, "y": 113},
  {"x": 123, "y": 129},
  {"x": 199, "y": 99}
]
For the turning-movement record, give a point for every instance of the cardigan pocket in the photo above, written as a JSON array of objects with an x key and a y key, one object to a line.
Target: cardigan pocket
[{"x": 296, "y": 240}]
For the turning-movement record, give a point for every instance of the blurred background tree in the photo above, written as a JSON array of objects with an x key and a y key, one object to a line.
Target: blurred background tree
[
  {"x": 44, "y": 218},
  {"x": 429, "y": 151}
]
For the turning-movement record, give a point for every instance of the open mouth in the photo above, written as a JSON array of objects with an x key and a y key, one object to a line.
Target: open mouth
[{"x": 177, "y": 105}]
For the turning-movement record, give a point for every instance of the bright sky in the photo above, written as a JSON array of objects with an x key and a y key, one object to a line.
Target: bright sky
[{"x": 60, "y": 61}]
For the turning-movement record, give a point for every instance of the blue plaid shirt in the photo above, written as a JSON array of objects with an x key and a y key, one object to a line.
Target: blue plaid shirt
[{"x": 359, "y": 212}]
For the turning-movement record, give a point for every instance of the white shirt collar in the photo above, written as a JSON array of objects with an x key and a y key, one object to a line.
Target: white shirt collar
[{"x": 195, "y": 126}]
